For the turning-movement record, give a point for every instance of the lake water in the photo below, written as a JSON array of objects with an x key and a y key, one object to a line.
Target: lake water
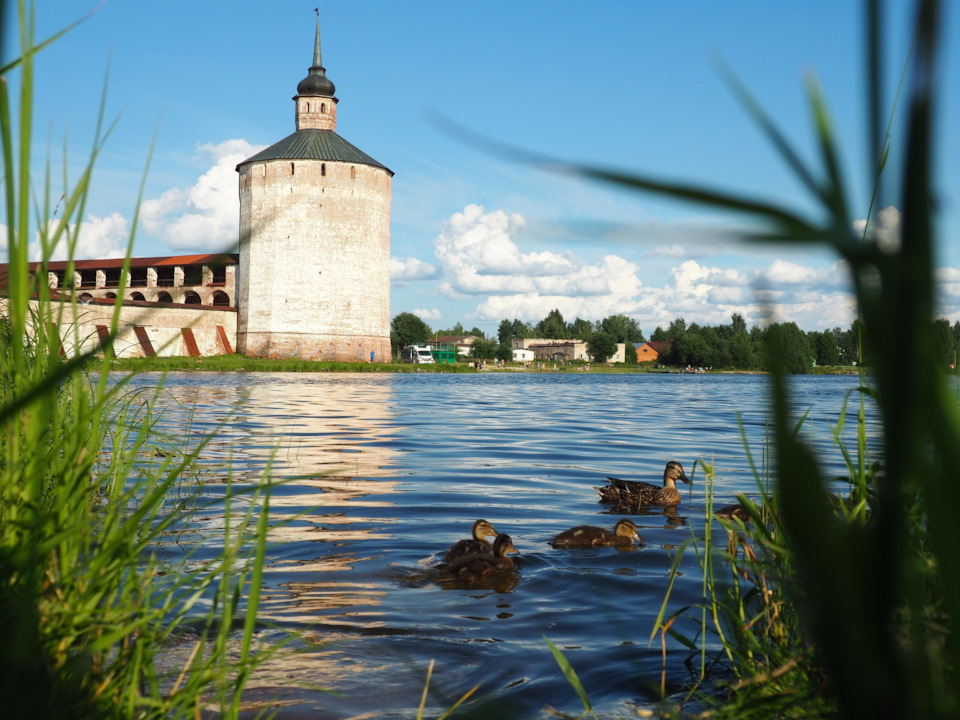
[{"x": 387, "y": 470}]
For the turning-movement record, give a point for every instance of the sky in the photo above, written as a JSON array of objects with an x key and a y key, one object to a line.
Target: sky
[{"x": 479, "y": 235}]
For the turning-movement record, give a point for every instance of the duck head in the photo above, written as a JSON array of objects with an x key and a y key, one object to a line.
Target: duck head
[
  {"x": 503, "y": 545},
  {"x": 673, "y": 472},
  {"x": 483, "y": 529},
  {"x": 626, "y": 528}
]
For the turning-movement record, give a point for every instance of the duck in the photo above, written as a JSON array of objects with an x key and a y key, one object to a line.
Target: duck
[
  {"x": 481, "y": 566},
  {"x": 475, "y": 545},
  {"x": 623, "y": 535},
  {"x": 733, "y": 512},
  {"x": 631, "y": 492}
]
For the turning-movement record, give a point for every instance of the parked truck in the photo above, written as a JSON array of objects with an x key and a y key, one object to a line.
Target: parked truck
[{"x": 418, "y": 354}]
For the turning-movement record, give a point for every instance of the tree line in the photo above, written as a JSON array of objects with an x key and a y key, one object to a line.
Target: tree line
[{"x": 731, "y": 346}]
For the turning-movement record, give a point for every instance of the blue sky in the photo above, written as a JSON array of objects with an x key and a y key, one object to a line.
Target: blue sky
[{"x": 476, "y": 237}]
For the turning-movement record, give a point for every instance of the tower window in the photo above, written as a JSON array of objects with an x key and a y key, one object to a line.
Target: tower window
[
  {"x": 291, "y": 168},
  {"x": 323, "y": 107},
  {"x": 323, "y": 169},
  {"x": 308, "y": 107},
  {"x": 353, "y": 173}
]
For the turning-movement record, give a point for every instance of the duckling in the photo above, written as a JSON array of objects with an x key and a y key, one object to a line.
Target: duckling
[
  {"x": 731, "y": 512},
  {"x": 480, "y": 567},
  {"x": 623, "y": 535},
  {"x": 629, "y": 492},
  {"x": 476, "y": 545}
]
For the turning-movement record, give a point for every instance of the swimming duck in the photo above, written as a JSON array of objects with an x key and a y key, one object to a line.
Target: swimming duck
[
  {"x": 475, "y": 545},
  {"x": 479, "y": 567},
  {"x": 731, "y": 512},
  {"x": 623, "y": 535},
  {"x": 630, "y": 492}
]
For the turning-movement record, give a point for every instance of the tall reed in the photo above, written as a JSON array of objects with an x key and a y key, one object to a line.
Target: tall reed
[
  {"x": 865, "y": 592},
  {"x": 87, "y": 608}
]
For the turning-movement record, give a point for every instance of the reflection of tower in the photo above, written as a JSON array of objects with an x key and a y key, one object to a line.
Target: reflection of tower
[{"x": 314, "y": 275}]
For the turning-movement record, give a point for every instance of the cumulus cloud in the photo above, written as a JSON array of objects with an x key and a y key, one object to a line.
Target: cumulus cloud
[
  {"x": 96, "y": 237},
  {"x": 477, "y": 255},
  {"x": 884, "y": 230},
  {"x": 427, "y": 314},
  {"x": 410, "y": 269},
  {"x": 204, "y": 217}
]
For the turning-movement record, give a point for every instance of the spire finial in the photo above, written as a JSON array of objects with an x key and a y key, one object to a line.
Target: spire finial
[{"x": 316, "y": 43}]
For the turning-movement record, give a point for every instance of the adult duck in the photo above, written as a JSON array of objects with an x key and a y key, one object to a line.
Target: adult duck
[
  {"x": 631, "y": 493},
  {"x": 623, "y": 535},
  {"x": 480, "y": 567},
  {"x": 475, "y": 545}
]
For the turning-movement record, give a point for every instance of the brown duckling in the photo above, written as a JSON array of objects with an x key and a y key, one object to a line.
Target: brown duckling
[
  {"x": 475, "y": 545},
  {"x": 480, "y": 567},
  {"x": 623, "y": 535},
  {"x": 731, "y": 512},
  {"x": 633, "y": 493}
]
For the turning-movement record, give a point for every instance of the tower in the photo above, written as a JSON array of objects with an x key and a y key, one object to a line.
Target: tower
[{"x": 314, "y": 275}]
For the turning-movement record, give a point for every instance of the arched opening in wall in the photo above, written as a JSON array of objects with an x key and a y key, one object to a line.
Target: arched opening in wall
[
  {"x": 85, "y": 298},
  {"x": 323, "y": 108},
  {"x": 137, "y": 296},
  {"x": 221, "y": 298},
  {"x": 164, "y": 296},
  {"x": 111, "y": 295},
  {"x": 191, "y": 298}
]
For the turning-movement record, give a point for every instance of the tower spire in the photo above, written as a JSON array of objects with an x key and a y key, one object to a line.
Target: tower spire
[{"x": 317, "y": 62}]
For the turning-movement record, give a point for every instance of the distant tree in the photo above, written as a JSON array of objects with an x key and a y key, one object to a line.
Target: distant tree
[
  {"x": 601, "y": 346},
  {"x": 623, "y": 328},
  {"x": 738, "y": 324},
  {"x": 677, "y": 329},
  {"x": 849, "y": 344},
  {"x": 580, "y": 329},
  {"x": 659, "y": 335},
  {"x": 552, "y": 326},
  {"x": 693, "y": 349},
  {"x": 483, "y": 349},
  {"x": 408, "y": 329},
  {"x": 505, "y": 331},
  {"x": 790, "y": 342},
  {"x": 522, "y": 329},
  {"x": 943, "y": 334},
  {"x": 477, "y": 332},
  {"x": 825, "y": 348},
  {"x": 457, "y": 329},
  {"x": 630, "y": 353}
]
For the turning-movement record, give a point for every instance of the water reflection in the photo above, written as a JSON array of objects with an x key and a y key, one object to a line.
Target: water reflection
[{"x": 382, "y": 473}]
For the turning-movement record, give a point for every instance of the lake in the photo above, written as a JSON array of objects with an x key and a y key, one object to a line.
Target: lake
[{"x": 385, "y": 471}]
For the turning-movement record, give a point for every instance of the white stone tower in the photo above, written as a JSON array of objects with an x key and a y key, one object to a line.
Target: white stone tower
[{"x": 314, "y": 275}]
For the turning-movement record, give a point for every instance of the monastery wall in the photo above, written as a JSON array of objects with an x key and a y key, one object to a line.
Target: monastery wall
[{"x": 145, "y": 328}]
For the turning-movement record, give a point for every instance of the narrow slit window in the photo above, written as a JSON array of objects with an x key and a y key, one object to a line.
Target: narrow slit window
[
  {"x": 353, "y": 173},
  {"x": 292, "y": 166},
  {"x": 323, "y": 169},
  {"x": 323, "y": 107}
]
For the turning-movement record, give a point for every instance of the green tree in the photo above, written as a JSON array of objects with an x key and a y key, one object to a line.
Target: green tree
[
  {"x": 483, "y": 349},
  {"x": 659, "y": 335},
  {"x": 630, "y": 353},
  {"x": 505, "y": 331},
  {"x": 738, "y": 324},
  {"x": 477, "y": 332},
  {"x": 552, "y": 326},
  {"x": 623, "y": 328},
  {"x": 580, "y": 329},
  {"x": 601, "y": 346},
  {"x": 522, "y": 329},
  {"x": 943, "y": 336},
  {"x": 791, "y": 343},
  {"x": 825, "y": 348},
  {"x": 408, "y": 329}
]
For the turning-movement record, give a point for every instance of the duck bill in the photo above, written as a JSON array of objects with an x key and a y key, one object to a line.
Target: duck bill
[{"x": 685, "y": 479}]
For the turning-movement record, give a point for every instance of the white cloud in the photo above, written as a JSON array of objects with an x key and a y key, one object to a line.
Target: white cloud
[
  {"x": 426, "y": 314},
  {"x": 884, "y": 230},
  {"x": 410, "y": 269},
  {"x": 204, "y": 217},
  {"x": 98, "y": 237},
  {"x": 673, "y": 251}
]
